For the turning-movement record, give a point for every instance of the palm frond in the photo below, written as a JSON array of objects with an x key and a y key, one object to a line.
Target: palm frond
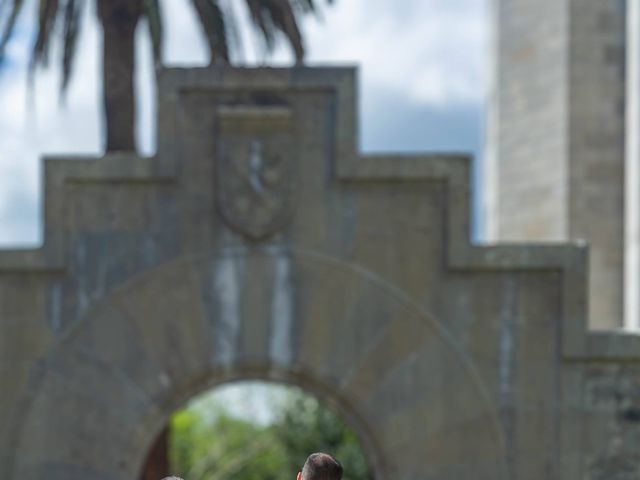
[
  {"x": 270, "y": 17},
  {"x": 309, "y": 6},
  {"x": 156, "y": 31},
  {"x": 71, "y": 28},
  {"x": 305, "y": 6},
  {"x": 279, "y": 16},
  {"x": 262, "y": 21},
  {"x": 48, "y": 13},
  {"x": 284, "y": 19},
  {"x": 234, "y": 37},
  {"x": 8, "y": 27},
  {"x": 212, "y": 19}
]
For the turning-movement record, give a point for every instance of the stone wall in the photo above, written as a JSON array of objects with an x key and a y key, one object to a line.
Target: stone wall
[
  {"x": 258, "y": 243},
  {"x": 612, "y": 429},
  {"x": 596, "y": 97},
  {"x": 556, "y": 155},
  {"x": 526, "y": 175}
]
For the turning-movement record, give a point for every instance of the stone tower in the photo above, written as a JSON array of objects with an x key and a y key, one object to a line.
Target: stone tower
[{"x": 555, "y": 167}]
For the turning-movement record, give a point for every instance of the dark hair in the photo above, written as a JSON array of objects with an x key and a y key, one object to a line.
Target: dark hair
[{"x": 321, "y": 466}]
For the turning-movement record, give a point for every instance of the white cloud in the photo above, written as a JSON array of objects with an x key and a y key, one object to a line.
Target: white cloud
[
  {"x": 431, "y": 50},
  {"x": 34, "y": 123}
]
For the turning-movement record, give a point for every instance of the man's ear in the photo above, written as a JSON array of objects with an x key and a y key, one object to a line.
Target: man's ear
[{"x": 299, "y": 475}]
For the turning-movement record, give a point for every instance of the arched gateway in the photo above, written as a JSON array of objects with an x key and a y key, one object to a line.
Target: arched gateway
[{"x": 258, "y": 244}]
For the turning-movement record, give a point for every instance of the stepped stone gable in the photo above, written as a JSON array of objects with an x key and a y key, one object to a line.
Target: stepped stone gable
[{"x": 258, "y": 244}]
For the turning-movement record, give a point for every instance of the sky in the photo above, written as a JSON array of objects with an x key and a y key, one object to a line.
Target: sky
[
  {"x": 254, "y": 401},
  {"x": 423, "y": 81}
]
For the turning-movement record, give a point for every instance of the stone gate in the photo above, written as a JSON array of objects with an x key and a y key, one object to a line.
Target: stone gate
[{"x": 258, "y": 244}]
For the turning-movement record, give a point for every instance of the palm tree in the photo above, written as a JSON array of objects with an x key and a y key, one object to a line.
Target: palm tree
[{"x": 119, "y": 19}]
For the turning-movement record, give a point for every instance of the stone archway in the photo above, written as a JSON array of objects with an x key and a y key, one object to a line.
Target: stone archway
[
  {"x": 259, "y": 243},
  {"x": 354, "y": 340}
]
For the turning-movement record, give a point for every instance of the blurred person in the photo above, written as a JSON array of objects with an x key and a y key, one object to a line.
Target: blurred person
[{"x": 321, "y": 466}]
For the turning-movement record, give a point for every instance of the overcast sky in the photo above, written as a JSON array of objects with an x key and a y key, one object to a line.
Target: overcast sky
[{"x": 423, "y": 70}]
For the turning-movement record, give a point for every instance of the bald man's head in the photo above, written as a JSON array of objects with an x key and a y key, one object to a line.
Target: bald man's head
[{"x": 321, "y": 466}]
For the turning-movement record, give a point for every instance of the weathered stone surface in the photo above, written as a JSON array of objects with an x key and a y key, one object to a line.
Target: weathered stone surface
[
  {"x": 450, "y": 360},
  {"x": 555, "y": 156}
]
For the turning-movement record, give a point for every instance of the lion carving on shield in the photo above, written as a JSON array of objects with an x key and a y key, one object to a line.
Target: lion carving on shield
[{"x": 254, "y": 186}]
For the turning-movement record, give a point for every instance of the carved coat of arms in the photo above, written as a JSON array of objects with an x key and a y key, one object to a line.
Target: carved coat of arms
[{"x": 254, "y": 174}]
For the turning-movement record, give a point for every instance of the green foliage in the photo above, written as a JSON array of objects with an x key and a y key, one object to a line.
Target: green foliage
[
  {"x": 210, "y": 443},
  {"x": 228, "y": 447},
  {"x": 303, "y": 425}
]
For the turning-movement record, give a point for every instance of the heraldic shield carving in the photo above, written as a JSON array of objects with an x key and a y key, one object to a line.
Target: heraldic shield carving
[{"x": 254, "y": 169}]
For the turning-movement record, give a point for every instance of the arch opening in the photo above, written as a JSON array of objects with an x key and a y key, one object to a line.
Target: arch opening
[{"x": 254, "y": 429}]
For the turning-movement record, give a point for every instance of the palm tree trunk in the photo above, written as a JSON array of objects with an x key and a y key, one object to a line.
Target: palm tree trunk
[{"x": 119, "y": 19}]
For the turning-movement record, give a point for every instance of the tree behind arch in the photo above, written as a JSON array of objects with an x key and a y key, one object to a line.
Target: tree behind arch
[{"x": 119, "y": 19}]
